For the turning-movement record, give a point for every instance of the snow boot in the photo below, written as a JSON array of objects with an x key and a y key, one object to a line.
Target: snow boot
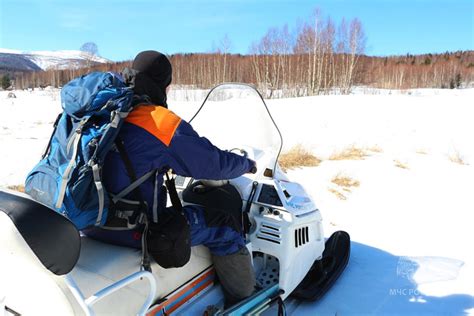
[{"x": 236, "y": 275}]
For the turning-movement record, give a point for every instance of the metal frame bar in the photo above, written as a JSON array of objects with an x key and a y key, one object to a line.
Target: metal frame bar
[{"x": 86, "y": 303}]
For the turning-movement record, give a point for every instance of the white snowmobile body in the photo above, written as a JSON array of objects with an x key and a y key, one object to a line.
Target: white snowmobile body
[{"x": 286, "y": 236}]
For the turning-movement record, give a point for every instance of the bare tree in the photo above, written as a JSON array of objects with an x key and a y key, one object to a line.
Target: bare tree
[
  {"x": 351, "y": 44},
  {"x": 256, "y": 58},
  {"x": 225, "y": 46},
  {"x": 90, "y": 48},
  {"x": 314, "y": 43}
]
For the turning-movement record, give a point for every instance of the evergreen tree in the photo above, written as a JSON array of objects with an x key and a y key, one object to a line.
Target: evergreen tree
[
  {"x": 457, "y": 80},
  {"x": 451, "y": 84},
  {"x": 5, "y": 81}
]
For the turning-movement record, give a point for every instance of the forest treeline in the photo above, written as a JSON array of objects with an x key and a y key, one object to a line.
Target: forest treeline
[
  {"x": 293, "y": 75},
  {"x": 319, "y": 57}
]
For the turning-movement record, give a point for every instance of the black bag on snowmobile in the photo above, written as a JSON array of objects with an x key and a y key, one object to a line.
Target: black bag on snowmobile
[{"x": 169, "y": 240}]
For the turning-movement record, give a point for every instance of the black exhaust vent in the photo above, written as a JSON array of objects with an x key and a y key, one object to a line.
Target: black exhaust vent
[{"x": 301, "y": 236}]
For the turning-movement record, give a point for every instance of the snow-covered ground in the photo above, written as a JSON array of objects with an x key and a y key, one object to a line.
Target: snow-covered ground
[
  {"x": 410, "y": 218},
  {"x": 62, "y": 59}
]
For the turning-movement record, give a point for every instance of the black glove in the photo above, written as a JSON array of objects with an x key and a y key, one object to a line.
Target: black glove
[{"x": 253, "y": 167}]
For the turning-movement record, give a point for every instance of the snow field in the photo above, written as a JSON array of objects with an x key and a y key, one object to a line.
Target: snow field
[{"x": 410, "y": 218}]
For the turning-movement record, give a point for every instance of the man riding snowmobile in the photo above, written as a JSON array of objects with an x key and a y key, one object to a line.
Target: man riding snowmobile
[
  {"x": 154, "y": 138},
  {"x": 49, "y": 268}
]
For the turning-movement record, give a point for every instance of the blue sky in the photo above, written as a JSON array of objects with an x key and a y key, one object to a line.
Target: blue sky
[{"x": 122, "y": 28}]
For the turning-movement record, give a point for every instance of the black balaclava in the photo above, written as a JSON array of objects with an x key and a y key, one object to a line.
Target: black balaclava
[{"x": 154, "y": 74}]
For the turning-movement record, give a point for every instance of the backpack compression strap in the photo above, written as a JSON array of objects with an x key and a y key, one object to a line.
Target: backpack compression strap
[
  {"x": 55, "y": 126},
  {"x": 74, "y": 141}
]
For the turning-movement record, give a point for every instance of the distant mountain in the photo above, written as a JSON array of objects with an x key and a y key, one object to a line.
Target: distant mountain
[
  {"x": 11, "y": 60},
  {"x": 17, "y": 62}
]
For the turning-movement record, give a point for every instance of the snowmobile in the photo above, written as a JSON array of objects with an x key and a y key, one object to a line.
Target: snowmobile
[{"x": 47, "y": 267}]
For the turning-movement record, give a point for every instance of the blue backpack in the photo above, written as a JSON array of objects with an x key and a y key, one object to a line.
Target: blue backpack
[{"x": 68, "y": 177}]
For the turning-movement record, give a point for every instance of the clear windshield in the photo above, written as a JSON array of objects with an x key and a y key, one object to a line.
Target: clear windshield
[{"x": 235, "y": 116}]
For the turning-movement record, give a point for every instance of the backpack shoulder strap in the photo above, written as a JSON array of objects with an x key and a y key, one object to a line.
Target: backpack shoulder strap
[
  {"x": 143, "y": 207},
  {"x": 175, "y": 201},
  {"x": 135, "y": 186}
]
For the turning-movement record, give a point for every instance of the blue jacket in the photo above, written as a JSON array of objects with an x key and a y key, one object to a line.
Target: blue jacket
[{"x": 157, "y": 139}]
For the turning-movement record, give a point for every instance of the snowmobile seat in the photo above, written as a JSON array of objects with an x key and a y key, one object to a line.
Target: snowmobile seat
[
  {"x": 51, "y": 236},
  {"x": 36, "y": 244},
  {"x": 34, "y": 237}
]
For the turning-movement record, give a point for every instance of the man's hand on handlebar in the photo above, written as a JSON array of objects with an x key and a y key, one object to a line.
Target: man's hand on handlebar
[{"x": 253, "y": 168}]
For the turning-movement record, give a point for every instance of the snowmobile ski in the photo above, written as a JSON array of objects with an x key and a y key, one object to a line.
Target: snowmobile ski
[{"x": 327, "y": 270}]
